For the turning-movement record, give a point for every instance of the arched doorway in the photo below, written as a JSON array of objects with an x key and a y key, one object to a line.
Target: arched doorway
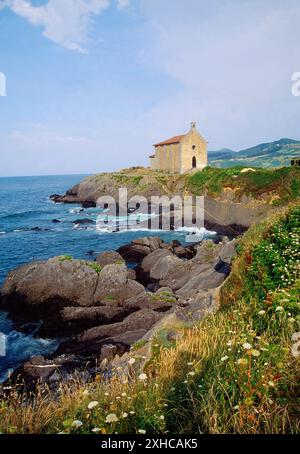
[{"x": 194, "y": 162}]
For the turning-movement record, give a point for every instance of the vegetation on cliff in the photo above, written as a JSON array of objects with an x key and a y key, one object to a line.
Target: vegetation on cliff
[
  {"x": 235, "y": 372},
  {"x": 277, "y": 186}
]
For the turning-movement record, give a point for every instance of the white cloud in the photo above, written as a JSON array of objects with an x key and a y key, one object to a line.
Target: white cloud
[
  {"x": 123, "y": 4},
  {"x": 39, "y": 137},
  {"x": 233, "y": 63},
  {"x": 66, "y": 22}
]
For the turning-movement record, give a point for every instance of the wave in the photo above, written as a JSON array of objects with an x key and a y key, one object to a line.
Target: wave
[
  {"x": 19, "y": 347},
  {"x": 22, "y": 214}
]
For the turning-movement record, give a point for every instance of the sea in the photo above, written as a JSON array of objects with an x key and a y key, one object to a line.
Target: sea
[{"x": 28, "y": 233}]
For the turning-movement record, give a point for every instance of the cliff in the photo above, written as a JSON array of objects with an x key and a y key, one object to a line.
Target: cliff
[{"x": 235, "y": 197}]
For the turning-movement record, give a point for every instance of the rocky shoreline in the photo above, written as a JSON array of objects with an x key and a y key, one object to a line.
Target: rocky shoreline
[{"x": 101, "y": 310}]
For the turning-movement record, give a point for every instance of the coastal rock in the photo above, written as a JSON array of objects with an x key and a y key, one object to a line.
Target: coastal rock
[
  {"x": 83, "y": 221},
  {"x": 109, "y": 258},
  {"x": 159, "y": 301},
  {"x": 39, "y": 369},
  {"x": 73, "y": 320},
  {"x": 228, "y": 251},
  {"x": 157, "y": 265},
  {"x": 134, "y": 252},
  {"x": 40, "y": 289},
  {"x": 123, "y": 334},
  {"x": 114, "y": 287}
]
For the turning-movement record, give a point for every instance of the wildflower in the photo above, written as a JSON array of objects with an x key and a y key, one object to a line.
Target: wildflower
[
  {"x": 143, "y": 377},
  {"x": 86, "y": 392},
  {"x": 296, "y": 350},
  {"x": 242, "y": 361},
  {"x": 162, "y": 418},
  {"x": 262, "y": 312},
  {"x": 190, "y": 364},
  {"x": 131, "y": 361},
  {"x": 132, "y": 412},
  {"x": 93, "y": 404},
  {"x": 296, "y": 337},
  {"x": 124, "y": 394},
  {"x": 236, "y": 407},
  {"x": 77, "y": 424},
  {"x": 224, "y": 358},
  {"x": 141, "y": 431},
  {"x": 247, "y": 346},
  {"x": 185, "y": 382},
  {"x": 279, "y": 309},
  {"x": 124, "y": 415},
  {"x": 229, "y": 343},
  {"x": 255, "y": 353},
  {"x": 96, "y": 430},
  {"x": 191, "y": 373},
  {"x": 112, "y": 417},
  {"x": 291, "y": 320},
  {"x": 118, "y": 398},
  {"x": 106, "y": 394},
  {"x": 271, "y": 383}
]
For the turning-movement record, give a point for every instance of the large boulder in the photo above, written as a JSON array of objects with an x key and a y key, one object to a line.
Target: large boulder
[
  {"x": 158, "y": 264},
  {"x": 109, "y": 258},
  {"x": 114, "y": 287},
  {"x": 140, "y": 248},
  {"x": 42, "y": 288},
  {"x": 159, "y": 301}
]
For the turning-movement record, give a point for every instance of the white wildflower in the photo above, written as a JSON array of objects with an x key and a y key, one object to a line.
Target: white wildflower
[
  {"x": 93, "y": 404},
  {"x": 77, "y": 424},
  {"x": 247, "y": 346},
  {"x": 112, "y": 417},
  {"x": 143, "y": 377}
]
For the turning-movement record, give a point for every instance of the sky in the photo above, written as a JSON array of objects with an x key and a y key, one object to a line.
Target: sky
[{"x": 92, "y": 84}]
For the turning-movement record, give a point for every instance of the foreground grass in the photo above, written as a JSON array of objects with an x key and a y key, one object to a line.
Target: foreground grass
[{"x": 236, "y": 372}]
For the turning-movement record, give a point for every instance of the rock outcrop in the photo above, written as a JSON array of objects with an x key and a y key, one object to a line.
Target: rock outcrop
[{"x": 102, "y": 309}]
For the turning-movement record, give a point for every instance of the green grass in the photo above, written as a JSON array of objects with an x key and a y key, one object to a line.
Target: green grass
[
  {"x": 283, "y": 182},
  {"x": 64, "y": 258}
]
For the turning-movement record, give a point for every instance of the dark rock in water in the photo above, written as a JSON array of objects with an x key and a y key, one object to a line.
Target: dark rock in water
[
  {"x": 91, "y": 253},
  {"x": 56, "y": 221},
  {"x": 88, "y": 204},
  {"x": 83, "y": 221},
  {"x": 38, "y": 229},
  {"x": 56, "y": 198},
  {"x": 109, "y": 258}
]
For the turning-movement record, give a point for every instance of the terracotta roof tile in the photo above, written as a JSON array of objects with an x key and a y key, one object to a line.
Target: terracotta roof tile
[{"x": 173, "y": 140}]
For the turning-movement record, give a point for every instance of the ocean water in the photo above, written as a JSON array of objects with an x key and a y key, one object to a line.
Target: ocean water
[{"x": 27, "y": 233}]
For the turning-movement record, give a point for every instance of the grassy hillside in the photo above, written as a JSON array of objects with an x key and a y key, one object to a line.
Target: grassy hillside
[
  {"x": 282, "y": 184},
  {"x": 235, "y": 372},
  {"x": 273, "y": 154}
]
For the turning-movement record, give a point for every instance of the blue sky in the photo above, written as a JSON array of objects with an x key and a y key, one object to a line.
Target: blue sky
[{"x": 92, "y": 84}]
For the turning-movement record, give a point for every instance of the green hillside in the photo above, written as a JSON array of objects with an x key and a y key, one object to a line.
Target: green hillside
[{"x": 272, "y": 154}]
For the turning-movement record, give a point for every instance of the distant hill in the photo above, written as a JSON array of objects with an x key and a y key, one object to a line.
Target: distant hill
[{"x": 272, "y": 154}]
